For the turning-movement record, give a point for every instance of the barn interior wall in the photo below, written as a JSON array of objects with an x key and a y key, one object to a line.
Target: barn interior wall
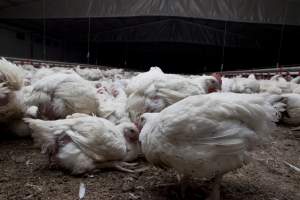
[
  {"x": 21, "y": 43},
  {"x": 14, "y": 43},
  {"x": 113, "y": 44}
]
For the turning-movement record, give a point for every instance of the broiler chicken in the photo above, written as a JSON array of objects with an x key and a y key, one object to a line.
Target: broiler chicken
[
  {"x": 89, "y": 74},
  {"x": 252, "y": 76},
  {"x": 143, "y": 80},
  {"x": 292, "y": 116},
  {"x": 11, "y": 82},
  {"x": 38, "y": 74},
  {"x": 206, "y": 136},
  {"x": 278, "y": 77},
  {"x": 296, "y": 80},
  {"x": 113, "y": 107},
  {"x": 278, "y": 82},
  {"x": 240, "y": 85},
  {"x": 269, "y": 86},
  {"x": 82, "y": 143},
  {"x": 60, "y": 94},
  {"x": 159, "y": 90},
  {"x": 12, "y": 92}
]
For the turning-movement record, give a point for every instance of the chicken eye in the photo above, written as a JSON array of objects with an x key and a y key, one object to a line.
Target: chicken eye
[
  {"x": 131, "y": 131},
  {"x": 142, "y": 119}
]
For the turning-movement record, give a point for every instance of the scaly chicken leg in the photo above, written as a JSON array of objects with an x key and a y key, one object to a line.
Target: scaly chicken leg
[
  {"x": 215, "y": 192},
  {"x": 121, "y": 166}
]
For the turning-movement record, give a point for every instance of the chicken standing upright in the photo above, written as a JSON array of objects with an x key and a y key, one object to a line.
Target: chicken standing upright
[
  {"x": 206, "y": 136},
  {"x": 82, "y": 143}
]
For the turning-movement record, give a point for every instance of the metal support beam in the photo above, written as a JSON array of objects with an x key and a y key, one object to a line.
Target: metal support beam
[{"x": 292, "y": 70}]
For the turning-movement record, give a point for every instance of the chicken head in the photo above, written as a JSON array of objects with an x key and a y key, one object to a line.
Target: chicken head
[{"x": 130, "y": 131}]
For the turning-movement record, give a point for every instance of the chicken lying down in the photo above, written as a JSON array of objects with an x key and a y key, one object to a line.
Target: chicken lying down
[
  {"x": 292, "y": 116},
  {"x": 30, "y": 70},
  {"x": 167, "y": 91},
  {"x": 143, "y": 80},
  {"x": 296, "y": 80},
  {"x": 278, "y": 82},
  {"x": 11, "y": 82},
  {"x": 43, "y": 72},
  {"x": 206, "y": 136},
  {"x": 240, "y": 85},
  {"x": 155, "y": 75},
  {"x": 106, "y": 90},
  {"x": 12, "y": 107},
  {"x": 60, "y": 94},
  {"x": 83, "y": 143},
  {"x": 294, "y": 87},
  {"x": 252, "y": 76},
  {"x": 278, "y": 87},
  {"x": 278, "y": 77},
  {"x": 113, "y": 104},
  {"x": 89, "y": 74}
]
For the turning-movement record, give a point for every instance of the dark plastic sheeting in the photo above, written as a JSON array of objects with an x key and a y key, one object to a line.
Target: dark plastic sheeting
[{"x": 259, "y": 11}]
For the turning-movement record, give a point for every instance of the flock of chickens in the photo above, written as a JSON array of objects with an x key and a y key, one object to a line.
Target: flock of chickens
[{"x": 201, "y": 126}]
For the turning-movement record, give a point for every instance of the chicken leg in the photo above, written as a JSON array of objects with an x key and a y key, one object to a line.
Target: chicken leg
[
  {"x": 183, "y": 184},
  {"x": 215, "y": 192},
  {"x": 296, "y": 128},
  {"x": 121, "y": 166}
]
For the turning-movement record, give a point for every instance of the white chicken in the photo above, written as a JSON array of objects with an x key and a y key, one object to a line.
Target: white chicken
[
  {"x": 208, "y": 84},
  {"x": 279, "y": 82},
  {"x": 113, "y": 74},
  {"x": 278, "y": 77},
  {"x": 296, "y": 80},
  {"x": 295, "y": 88},
  {"x": 82, "y": 143},
  {"x": 206, "y": 136},
  {"x": 269, "y": 86},
  {"x": 11, "y": 82},
  {"x": 292, "y": 109},
  {"x": 12, "y": 91},
  {"x": 113, "y": 104},
  {"x": 143, "y": 80},
  {"x": 159, "y": 90},
  {"x": 89, "y": 74},
  {"x": 252, "y": 76},
  {"x": 60, "y": 94},
  {"x": 30, "y": 70},
  {"x": 39, "y": 74},
  {"x": 240, "y": 85}
]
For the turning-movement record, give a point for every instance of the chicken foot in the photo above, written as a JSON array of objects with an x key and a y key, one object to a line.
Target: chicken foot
[
  {"x": 121, "y": 166},
  {"x": 296, "y": 128}
]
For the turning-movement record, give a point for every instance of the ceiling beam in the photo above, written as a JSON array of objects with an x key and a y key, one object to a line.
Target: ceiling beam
[{"x": 14, "y": 3}]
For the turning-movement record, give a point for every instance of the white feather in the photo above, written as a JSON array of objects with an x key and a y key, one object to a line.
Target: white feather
[
  {"x": 205, "y": 135},
  {"x": 82, "y": 189},
  {"x": 93, "y": 140}
]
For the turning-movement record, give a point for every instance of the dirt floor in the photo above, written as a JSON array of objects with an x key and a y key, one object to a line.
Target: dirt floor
[{"x": 24, "y": 174}]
